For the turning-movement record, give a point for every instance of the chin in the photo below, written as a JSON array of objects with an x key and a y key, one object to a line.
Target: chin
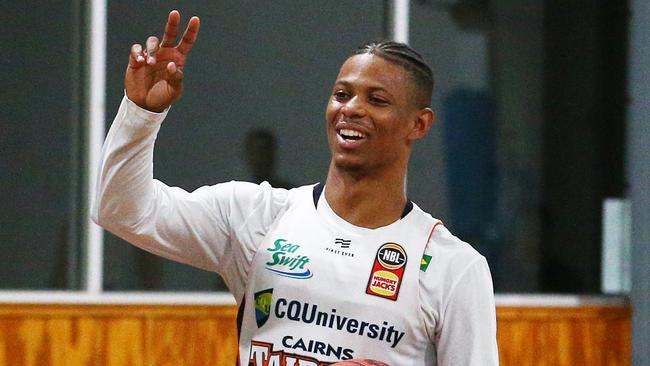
[{"x": 348, "y": 166}]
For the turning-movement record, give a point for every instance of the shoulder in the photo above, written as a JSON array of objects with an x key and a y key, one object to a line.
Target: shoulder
[
  {"x": 451, "y": 252},
  {"x": 258, "y": 202},
  {"x": 448, "y": 252},
  {"x": 451, "y": 261},
  {"x": 456, "y": 280},
  {"x": 257, "y": 193}
]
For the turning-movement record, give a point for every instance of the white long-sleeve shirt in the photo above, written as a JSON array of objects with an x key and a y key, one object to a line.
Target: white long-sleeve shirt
[{"x": 312, "y": 288}]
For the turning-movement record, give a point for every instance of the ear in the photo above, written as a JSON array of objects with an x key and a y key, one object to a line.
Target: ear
[{"x": 423, "y": 121}]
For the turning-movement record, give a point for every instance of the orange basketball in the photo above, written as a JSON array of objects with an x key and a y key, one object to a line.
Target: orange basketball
[{"x": 360, "y": 362}]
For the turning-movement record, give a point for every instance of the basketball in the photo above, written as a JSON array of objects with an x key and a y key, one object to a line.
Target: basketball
[{"x": 360, "y": 362}]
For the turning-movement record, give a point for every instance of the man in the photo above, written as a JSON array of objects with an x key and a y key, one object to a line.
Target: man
[{"x": 321, "y": 273}]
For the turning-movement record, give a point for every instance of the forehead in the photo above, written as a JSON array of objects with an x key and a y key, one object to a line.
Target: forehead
[{"x": 375, "y": 72}]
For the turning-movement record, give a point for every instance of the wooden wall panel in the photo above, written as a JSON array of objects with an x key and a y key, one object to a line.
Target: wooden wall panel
[
  {"x": 111, "y": 335},
  {"x": 549, "y": 336},
  {"x": 147, "y": 335},
  {"x": 180, "y": 342}
]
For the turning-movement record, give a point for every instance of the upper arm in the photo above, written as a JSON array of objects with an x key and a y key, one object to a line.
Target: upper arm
[
  {"x": 216, "y": 228},
  {"x": 466, "y": 334}
]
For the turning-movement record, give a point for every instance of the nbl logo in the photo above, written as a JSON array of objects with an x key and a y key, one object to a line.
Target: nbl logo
[
  {"x": 392, "y": 256},
  {"x": 387, "y": 271}
]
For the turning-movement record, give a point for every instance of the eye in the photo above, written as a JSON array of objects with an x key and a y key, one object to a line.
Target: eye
[
  {"x": 341, "y": 95},
  {"x": 377, "y": 100}
]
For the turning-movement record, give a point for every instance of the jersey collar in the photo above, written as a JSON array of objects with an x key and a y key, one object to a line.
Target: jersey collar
[{"x": 318, "y": 191}]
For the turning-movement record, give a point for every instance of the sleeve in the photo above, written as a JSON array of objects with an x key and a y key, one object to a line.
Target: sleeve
[
  {"x": 467, "y": 331},
  {"x": 216, "y": 228}
]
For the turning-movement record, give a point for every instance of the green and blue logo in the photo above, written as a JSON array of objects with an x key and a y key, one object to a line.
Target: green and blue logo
[
  {"x": 286, "y": 261},
  {"x": 263, "y": 301}
]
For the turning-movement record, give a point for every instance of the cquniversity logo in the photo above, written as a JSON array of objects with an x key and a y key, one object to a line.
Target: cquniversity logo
[
  {"x": 286, "y": 261},
  {"x": 263, "y": 301}
]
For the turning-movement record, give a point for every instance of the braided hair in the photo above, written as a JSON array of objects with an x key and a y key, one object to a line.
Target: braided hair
[{"x": 403, "y": 55}]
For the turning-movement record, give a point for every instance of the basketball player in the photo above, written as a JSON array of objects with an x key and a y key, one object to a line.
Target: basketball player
[{"x": 349, "y": 269}]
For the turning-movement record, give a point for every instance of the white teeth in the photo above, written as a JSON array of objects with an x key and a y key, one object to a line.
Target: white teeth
[{"x": 351, "y": 133}]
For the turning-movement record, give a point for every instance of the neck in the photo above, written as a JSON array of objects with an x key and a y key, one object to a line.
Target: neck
[{"x": 366, "y": 200}]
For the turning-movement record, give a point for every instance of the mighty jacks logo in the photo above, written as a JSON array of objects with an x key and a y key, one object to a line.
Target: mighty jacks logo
[{"x": 263, "y": 301}]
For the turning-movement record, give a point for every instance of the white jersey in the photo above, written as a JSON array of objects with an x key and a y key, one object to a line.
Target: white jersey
[{"x": 312, "y": 288}]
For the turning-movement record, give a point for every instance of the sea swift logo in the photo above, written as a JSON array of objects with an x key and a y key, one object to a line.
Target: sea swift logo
[
  {"x": 263, "y": 300},
  {"x": 286, "y": 262}
]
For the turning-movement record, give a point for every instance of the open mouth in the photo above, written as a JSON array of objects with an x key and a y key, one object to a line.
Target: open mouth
[{"x": 351, "y": 135}]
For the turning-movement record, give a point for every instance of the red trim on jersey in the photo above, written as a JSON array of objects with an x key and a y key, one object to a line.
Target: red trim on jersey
[{"x": 432, "y": 229}]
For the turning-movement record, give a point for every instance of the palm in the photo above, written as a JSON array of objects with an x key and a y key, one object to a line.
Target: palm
[
  {"x": 155, "y": 86},
  {"x": 148, "y": 85}
]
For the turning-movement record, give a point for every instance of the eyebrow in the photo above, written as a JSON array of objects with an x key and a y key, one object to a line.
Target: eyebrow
[{"x": 371, "y": 88}]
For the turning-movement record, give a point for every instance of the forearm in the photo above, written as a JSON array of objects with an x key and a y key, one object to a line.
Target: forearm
[
  {"x": 125, "y": 187},
  {"x": 192, "y": 228},
  {"x": 167, "y": 221}
]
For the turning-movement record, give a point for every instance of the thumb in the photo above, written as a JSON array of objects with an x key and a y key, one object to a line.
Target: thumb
[{"x": 175, "y": 77}]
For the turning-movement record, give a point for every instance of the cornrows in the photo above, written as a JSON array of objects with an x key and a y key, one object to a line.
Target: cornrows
[{"x": 403, "y": 55}]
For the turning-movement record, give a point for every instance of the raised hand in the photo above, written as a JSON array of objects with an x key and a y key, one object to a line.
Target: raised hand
[{"x": 154, "y": 77}]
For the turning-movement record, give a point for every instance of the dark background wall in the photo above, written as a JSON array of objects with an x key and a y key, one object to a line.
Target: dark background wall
[
  {"x": 255, "y": 64},
  {"x": 584, "y": 111},
  {"x": 530, "y": 98},
  {"x": 40, "y": 150},
  {"x": 638, "y": 173}
]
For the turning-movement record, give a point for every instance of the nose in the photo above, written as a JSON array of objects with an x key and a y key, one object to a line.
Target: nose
[{"x": 353, "y": 108}]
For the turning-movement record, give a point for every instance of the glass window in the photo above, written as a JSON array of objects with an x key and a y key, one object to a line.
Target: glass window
[
  {"x": 40, "y": 145},
  {"x": 530, "y": 100},
  {"x": 488, "y": 140},
  {"x": 255, "y": 71}
]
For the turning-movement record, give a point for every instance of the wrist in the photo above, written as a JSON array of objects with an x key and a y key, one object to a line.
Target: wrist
[{"x": 146, "y": 110}]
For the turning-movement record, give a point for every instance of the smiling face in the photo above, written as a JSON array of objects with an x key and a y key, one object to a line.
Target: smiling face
[{"x": 372, "y": 117}]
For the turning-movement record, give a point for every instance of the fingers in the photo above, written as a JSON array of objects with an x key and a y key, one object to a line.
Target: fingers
[
  {"x": 137, "y": 58},
  {"x": 171, "y": 32},
  {"x": 189, "y": 37},
  {"x": 152, "y": 49},
  {"x": 171, "y": 29},
  {"x": 175, "y": 75}
]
